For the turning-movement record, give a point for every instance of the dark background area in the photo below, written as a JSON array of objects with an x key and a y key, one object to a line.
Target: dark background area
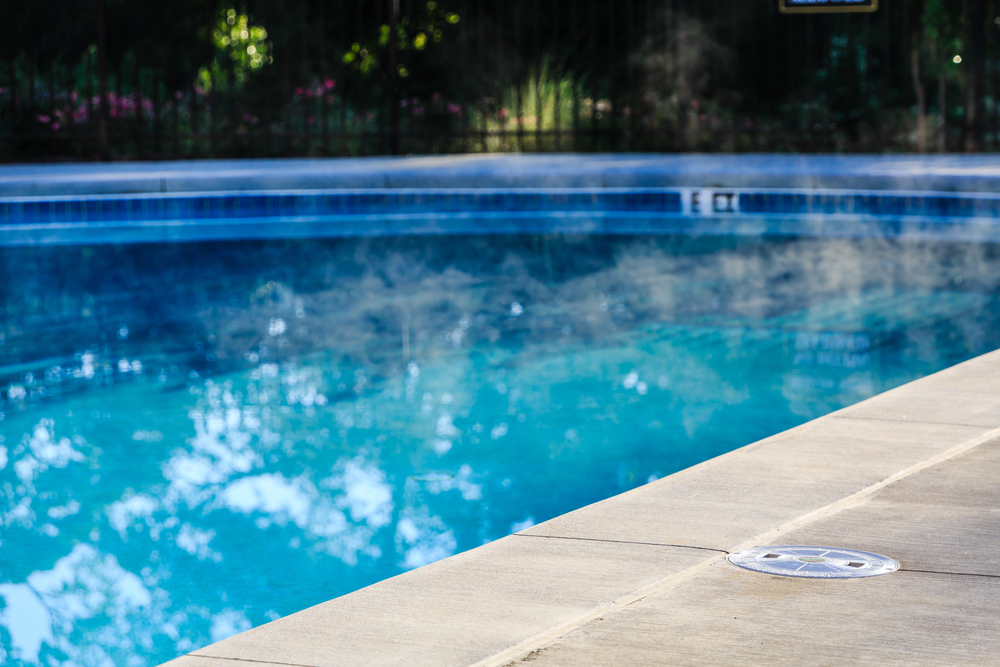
[{"x": 127, "y": 79}]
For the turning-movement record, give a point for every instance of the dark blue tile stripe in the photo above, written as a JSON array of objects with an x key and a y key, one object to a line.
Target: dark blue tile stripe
[
  {"x": 127, "y": 209},
  {"x": 932, "y": 205}
]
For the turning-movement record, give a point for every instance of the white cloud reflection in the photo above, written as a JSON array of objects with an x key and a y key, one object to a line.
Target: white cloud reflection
[{"x": 44, "y": 614}]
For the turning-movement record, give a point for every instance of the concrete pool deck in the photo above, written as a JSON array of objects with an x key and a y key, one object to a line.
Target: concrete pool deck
[{"x": 642, "y": 578}]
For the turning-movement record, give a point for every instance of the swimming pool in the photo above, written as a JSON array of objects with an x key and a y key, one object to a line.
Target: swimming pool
[{"x": 199, "y": 438}]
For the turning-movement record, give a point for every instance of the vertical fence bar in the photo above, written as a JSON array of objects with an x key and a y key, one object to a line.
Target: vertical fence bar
[
  {"x": 501, "y": 78},
  {"x": 14, "y": 92},
  {"x": 483, "y": 107},
  {"x": 32, "y": 57},
  {"x": 978, "y": 26},
  {"x": 574, "y": 77},
  {"x": 612, "y": 81},
  {"x": 158, "y": 85},
  {"x": 537, "y": 57},
  {"x": 137, "y": 81},
  {"x": 463, "y": 73},
  {"x": 393, "y": 80},
  {"x": 324, "y": 75},
  {"x": 556, "y": 75},
  {"x": 102, "y": 78},
  {"x": 342, "y": 146},
  {"x": 592, "y": 65},
  {"x": 89, "y": 92},
  {"x": 629, "y": 80},
  {"x": 518, "y": 87},
  {"x": 12, "y": 87},
  {"x": 52, "y": 86},
  {"x": 305, "y": 83},
  {"x": 361, "y": 111}
]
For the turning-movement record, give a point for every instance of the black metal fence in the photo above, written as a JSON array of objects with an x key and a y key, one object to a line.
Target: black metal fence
[{"x": 130, "y": 79}]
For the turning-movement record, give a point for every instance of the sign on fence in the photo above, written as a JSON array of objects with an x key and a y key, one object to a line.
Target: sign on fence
[{"x": 826, "y": 6}]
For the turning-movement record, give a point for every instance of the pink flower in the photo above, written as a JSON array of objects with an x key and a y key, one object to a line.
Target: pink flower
[
  {"x": 503, "y": 113},
  {"x": 43, "y": 119},
  {"x": 56, "y": 126},
  {"x": 178, "y": 95},
  {"x": 72, "y": 96},
  {"x": 454, "y": 108},
  {"x": 329, "y": 84},
  {"x": 694, "y": 104},
  {"x": 298, "y": 91}
]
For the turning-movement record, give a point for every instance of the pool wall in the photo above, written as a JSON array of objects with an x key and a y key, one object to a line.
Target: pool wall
[{"x": 937, "y": 197}]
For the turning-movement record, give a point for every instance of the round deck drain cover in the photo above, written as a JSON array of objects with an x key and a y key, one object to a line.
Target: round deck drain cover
[{"x": 813, "y": 562}]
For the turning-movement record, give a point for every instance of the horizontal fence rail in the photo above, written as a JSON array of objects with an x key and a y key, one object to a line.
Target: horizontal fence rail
[{"x": 124, "y": 79}]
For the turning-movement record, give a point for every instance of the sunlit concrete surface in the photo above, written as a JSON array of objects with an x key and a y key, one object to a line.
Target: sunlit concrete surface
[
  {"x": 979, "y": 173},
  {"x": 642, "y": 578}
]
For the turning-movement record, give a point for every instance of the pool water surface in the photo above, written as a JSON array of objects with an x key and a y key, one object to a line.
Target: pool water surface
[{"x": 199, "y": 438}]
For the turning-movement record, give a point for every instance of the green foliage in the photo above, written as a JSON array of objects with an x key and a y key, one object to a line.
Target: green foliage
[
  {"x": 242, "y": 49},
  {"x": 428, "y": 27}
]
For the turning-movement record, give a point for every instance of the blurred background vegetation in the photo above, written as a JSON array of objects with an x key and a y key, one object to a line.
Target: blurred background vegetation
[{"x": 134, "y": 79}]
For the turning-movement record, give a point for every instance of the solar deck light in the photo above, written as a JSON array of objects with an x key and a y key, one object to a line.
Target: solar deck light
[{"x": 813, "y": 562}]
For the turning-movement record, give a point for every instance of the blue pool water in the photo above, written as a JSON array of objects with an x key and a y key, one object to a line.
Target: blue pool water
[{"x": 199, "y": 438}]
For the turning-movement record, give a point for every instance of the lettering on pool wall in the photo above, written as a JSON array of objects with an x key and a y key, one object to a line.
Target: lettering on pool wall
[
  {"x": 710, "y": 202},
  {"x": 826, "y": 6}
]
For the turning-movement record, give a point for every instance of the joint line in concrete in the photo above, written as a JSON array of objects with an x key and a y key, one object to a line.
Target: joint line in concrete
[
  {"x": 596, "y": 539},
  {"x": 551, "y": 635},
  {"x": 951, "y": 574}
]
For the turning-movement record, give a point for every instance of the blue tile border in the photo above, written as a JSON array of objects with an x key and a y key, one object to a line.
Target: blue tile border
[{"x": 159, "y": 217}]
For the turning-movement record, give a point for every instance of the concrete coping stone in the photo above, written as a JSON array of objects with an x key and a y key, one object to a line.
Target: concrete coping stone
[{"x": 946, "y": 173}]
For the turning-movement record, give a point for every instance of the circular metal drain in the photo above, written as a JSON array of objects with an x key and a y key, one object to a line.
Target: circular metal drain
[{"x": 813, "y": 562}]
